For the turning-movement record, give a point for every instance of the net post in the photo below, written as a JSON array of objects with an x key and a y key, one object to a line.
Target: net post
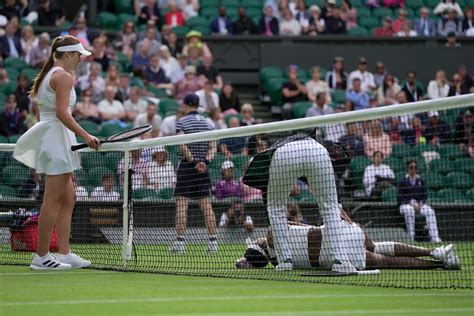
[{"x": 125, "y": 251}]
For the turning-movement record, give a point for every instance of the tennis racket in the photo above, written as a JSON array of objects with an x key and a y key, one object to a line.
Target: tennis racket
[
  {"x": 125, "y": 135},
  {"x": 338, "y": 274}
]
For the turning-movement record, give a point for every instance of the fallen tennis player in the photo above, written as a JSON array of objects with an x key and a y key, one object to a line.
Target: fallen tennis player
[{"x": 310, "y": 249}]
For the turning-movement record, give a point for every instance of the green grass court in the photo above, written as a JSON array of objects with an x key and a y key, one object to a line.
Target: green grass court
[{"x": 94, "y": 292}]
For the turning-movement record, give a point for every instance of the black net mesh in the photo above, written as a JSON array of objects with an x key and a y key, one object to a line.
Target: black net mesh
[{"x": 409, "y": 186}]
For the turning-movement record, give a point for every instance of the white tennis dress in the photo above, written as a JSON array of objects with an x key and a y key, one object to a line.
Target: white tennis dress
[{"x": 46, "y": 146}]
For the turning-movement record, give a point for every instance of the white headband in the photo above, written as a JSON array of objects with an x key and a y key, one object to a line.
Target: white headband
[{"x": 74, "y": 48}]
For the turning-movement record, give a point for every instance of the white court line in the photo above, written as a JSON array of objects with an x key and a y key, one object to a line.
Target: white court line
[
  {"x": 58, "y": 273},
  {"x": 220, "y": 298}
]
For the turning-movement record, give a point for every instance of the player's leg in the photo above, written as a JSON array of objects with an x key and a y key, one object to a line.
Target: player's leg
[
  {"x": 181, "y": 219},
  {"x": 320, "y": 175},
  {"x": 409, "y": 213},
  {"x": 283, "y": 174},
  {"x": 210, "y": 220},
  {"x": 374, "y": 260},
  {"x": 430, "y": 216}
]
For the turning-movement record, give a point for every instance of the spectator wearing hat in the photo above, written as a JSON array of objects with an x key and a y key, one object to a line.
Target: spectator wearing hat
[
  {"x": 336, "y": 78},
  {"x": 328, "y": 8},
  {"x": 227, "y": 186},
  {"x": 209, "y": 72},
  {"x": 446, "y": 5},
  {"x": 208, "y": 99},
  {"x": 366, "y": 78},
  {"x": 150, "y": 117},
  {"x": 193, "y": 181},
  {"x": 160, "y": 171},
  {"x": 451, "y": 40},
  {"x": 268, "y": 25},
  {"x": 437, "y": 131},
  {"x": 450, "y": 24},
  {"x": 292, "y": 91},
  {"x": 438, "y": 88},
  {"x": 222, "y": 25},
  {"x": 386, "y": 28},
  {"x": 424, "y": 25},
  {"x": 334, "y": 23},
  {"x": 189, "y": 84},
  {"x": 244, "y": 24},
  {"x": 316, "y": 22},
  {"x": 194, "y": 39},
  {"x": 397, "y": 25}
]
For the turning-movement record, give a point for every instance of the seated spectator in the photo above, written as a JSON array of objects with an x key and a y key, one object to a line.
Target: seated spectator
[
  {"x": 106, "y": 193},
  {"x": 356, "y": 99},
  {"x": 414, "y": 134},
  {"x": 80, "y": 192},
  {"x": 328, "y": 9},
  {"x": 349, "y": 14},
  {"x": 135, "y": 105},
  {"x": 244, "y": 24},
  {"x": 316, "y": 86},
  {"x": 11, "y": 9},
  {"x": 457, "y": 87},
  {"x": 178, "y": 73},
  {"x": 451, "y": 40},
  {"x": 387, "y": 92},
  {"x": 301, "y": 15},
  {"x": 48, "y": 15},
  {"x": 39, "y": 54},
  {"x": 208, "y": 99},
  {"x": 437, "y": 131},
  {"x": 268, "y": 25},
  {"x": 139, "y": 166},
  {"x": 155, "y": 75},
  {"x": 216, "y": 119},
  {"x": 466, "y": 79},
  {"x": 468, "y": 22},
  {"x": 4, "y": 80},
  {"x": 195, "y": 55},
  {"x": 174, "y": 16},
  {"x": 127, "y": 39},
  {"x": 189, "y": 84},
  {"x": 424, "y": 25},
  {"x": 33, "y": 187},
  {"x": 412, "y": 91},
  {"x": 352, "y": 140},
  {"x": 85, "y": 35},
  {"x": 123, "y": 88},
  {"x": 288, "y": 25},
  {"x": 316, "y": 22},
  {"x": 33, "y": 116},
  {"x": 335, "y": 131},
  {"x": 464, "y": 127},
  {"x": 292, "y": 91},
  {"x": 168, "y": 126},
  {"x": 150, "y": 11},
  {"x": 438, "y": 88},
  {"x": 173, "y": 45},
  {"x": 93, "y": 82},
  {"x": 110, "y": 109},
  {"x": 246, "y": 111},
  {"x": 194, "y": 39},
  {"x": 112, "y": 77},
  {"x": 151, "y": 118},
  {"x": 10, "y": 44},
  {"x": 379, "y": 73},
  {"x": 167, "y": 62},
  {"x": 412, "y": 196},
  {"x": 334, "y": 24},
  {"x": 86, "y": 109},
  {"x": 366, "y": 78},
  {"x": 257, "y": 144},
  {"x": 397, "y": 25},
  {"x": 208, "y": 72},
  {"x": 377, "y": 176},
  {"x": 386, "y": 29},
  {"x": 222, "y": 25},
  {"x": 394, "y": 128},
  {"x": 376, "y": 140},
  {"x": 394, "y": 3},
  {"x": 28, "y": 40},
  {"x": 235, "y": 216},
  {"x": 228, "y": 100},
  {"x": 12, "y": 119},
  {"x": 140, "y": 58},
  {"x": 320, "y": 106},
  {"x": 336, "y": 78},
  {"x": 100, "y": 54},
  {"x": 227, "y": 186},
  {"x": 445, "y": 5},
  {"x": 153, "y": 37},
  {"x": 160, "y": 171},
  {"x": 234, "y": 145},
  {"x": 190, "y": 8},
  {"x": 22, "y": 93},
  {"x": 450, "y": 23},
  {"x": 407, "y": 30}
]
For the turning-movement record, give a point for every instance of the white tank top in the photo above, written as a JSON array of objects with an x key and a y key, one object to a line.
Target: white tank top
[{"x": 47, "y": 96}]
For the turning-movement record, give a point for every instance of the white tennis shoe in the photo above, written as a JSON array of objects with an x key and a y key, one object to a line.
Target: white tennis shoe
[
  {"x": 452, "y": 263},
  {"x": 343, "y": 267},
  {"x": 48, "y": 262},
  {"x": 74, "y": 260},
  {"x": 212, "y": 246},
  {"x": 178, "y": 247},
  {"x": 442, "y": 253}
]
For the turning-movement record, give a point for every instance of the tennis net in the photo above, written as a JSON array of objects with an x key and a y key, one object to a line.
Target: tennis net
[{"x": 127, "y": 215}]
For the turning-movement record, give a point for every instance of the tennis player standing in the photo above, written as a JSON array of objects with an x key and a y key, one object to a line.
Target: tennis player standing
[
  {"x": 193, "y": 181},
  {"x": 46, "y": 147}
]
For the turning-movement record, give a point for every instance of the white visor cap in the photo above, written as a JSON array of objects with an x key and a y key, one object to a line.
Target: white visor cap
[{"x": 74, "y": 48}]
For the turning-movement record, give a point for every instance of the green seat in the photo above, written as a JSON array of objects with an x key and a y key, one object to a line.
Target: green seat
[
  {"x": 112, "y": 159},
  {"x": 449, "y": 195},
  {"x": 414, "y": 4},
  {"x": 12, "y": 73},
  {"x": 17, "y": 63},
  {"x": 13, "y": 139},
  {"x": 358, "y": 31},
  {"x": 433, "y": 197},
  {"x": 203, "y": 29},
  {"x": 181, "y": 31},
  {"x": 251, "y": 4},
  {"x": 109, "y": 129},
  {"x": 91, "y": 127},
  {"x": 7, "y": 192},
  {"x": 319, "y": 3},
  {"x": 465, "y": 165},
  {"x": 363, "y": 12},
  {"x": 401, "y": 151},
  {"x": 159, "y": 93},
  {"x": 381, "y": 12},
  {"x": 254, "y": 12},
  {"x": 92, "y": 159},
  {"x": 470, "y": 194},
  {"x": 94, "y": 176},
  {"x": 122, "y": 18},
  {"x": 357, "y": 167},
  {"x": 470, "y": 3},
  {"x": 268, "y": 73},
  {"x": 210, "y": 12},
  {"x": 108, "y": 21},
  {"x": 410, "y": 13},
  {"x": 166, "y": 194},
  {"x": 357, "y": 4},
  {"x": 369, "y": 21},
  {"x": 82, "y": 177},
  {"x": 144, "y": 193},
  {"x": 396, "y": 164},
  {"x": 450, "y": 151},
  {"x": 240, "y": 162},
  {"x": 419, "y": 149},
  {"x": 168, "y": 105},
  {"x": 217, "y": 161},
  {"x": 390, "y": 195},
  {"x": 198, "y": 20},
  {"x": 209, "y": 3},
  {"x": 30, "y": 73},
  {"x": 442, "y": 166},
  {"x": 299, "y": 109},
  {"x": 420, "y": 162},
  {"x": 123, "y": 6},
  {"x": 230, "y": 3},
  {"x": 434, "y": 181},
  {"x": 274, "y": 90},
  {"x": 459, "y": 180},
  {"x": 338, "y": 96},
  {"x": 432, "y": 3},
  {"x": 3, "y": 139},
  {"x": 15, "y": 176}
]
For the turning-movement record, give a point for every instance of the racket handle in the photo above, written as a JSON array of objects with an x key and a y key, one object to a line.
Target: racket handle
[{"x": 77, "y": 147}]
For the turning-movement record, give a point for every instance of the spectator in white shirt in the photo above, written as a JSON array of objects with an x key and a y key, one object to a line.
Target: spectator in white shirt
[
  {"x": 139, "y": 166},
  {"x": 168, "y": 62},
  {"x": 178, "y": 73},
  {"x": 135, "y": 105},
  {"x": 106, "y": 192},
  {"x": 208, "y": 99},
  {"x": 377, "y": 176},
  {"x": 110, "y": 109},
  {"x": 366, "y": 78},
  {"x": 444, "y": 5},
  {"x": 160, "y": 172},
  {"x": 316, "y": 85},
  {"x": 438, "y": 88},
  {"x": 288, "y": 25},
  {"x": 168, "y": 126},
  {"x": 407, "y": 30},
  {"x": 81, "y": 192},
  {"x": 150, "y": 117},
  {"x": 93, "y": 81}
]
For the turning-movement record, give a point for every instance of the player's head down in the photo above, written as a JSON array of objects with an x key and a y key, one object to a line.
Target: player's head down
[{"x": 254, "y": 257}]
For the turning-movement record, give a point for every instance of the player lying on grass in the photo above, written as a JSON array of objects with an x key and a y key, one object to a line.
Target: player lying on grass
[{"x": 310, "y": 249}]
